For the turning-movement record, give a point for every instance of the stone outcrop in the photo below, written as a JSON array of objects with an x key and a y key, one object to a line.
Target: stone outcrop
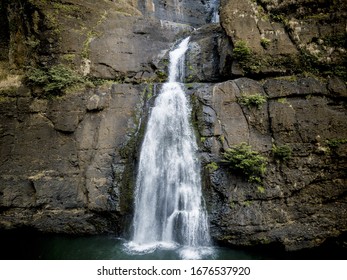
[
  {"x": 68, "y": 162},
  {"x": 286, "y": 37},
  {"x": 208, "y": 58}
]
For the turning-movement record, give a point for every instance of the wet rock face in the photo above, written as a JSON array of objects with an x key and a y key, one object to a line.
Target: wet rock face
[
  {"x": 209, "y": 55},
  {"x": 293, "y": 205},
  {"x": 188, "y": 12},
  {"x": 131, "y": 58},
  {"x": 57, "y": 157}
]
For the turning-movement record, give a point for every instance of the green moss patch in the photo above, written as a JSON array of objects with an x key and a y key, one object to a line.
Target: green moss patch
[{"x": 244, "y": 160}]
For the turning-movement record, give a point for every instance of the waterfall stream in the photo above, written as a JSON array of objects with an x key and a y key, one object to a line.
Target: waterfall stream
[
  {"x": 169, "y": 208},
  {"x": 215, "y": 10}
]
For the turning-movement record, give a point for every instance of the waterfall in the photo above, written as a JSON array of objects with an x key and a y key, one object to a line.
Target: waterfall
[
  {"x": 169, "y": 208},
  {"x": 215, "y": 10}
]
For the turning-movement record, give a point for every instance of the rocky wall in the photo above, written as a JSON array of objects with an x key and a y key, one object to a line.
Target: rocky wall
[
  {"x": 301, "y": 201},
  {"x": 63, "y": 160}
]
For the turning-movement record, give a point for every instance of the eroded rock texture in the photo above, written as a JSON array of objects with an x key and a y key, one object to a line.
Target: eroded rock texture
[
  {"x": 63, "y": 160},
  {"x": 301, "y": 201}
]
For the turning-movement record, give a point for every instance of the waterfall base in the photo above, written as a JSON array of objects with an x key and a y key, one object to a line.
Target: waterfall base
[{"x": 183, "y": 252}]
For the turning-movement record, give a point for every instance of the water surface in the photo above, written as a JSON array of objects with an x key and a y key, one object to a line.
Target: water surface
[{"x": 33, "y": 246}]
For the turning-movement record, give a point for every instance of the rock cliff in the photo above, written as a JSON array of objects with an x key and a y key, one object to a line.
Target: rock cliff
[
  {"x": 301, "y": 200},
  {"x": 77, "y": 81}
]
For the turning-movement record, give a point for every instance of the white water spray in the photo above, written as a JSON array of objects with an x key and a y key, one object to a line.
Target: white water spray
[
  {"x": 169, "y": 209},
  {"x": 215, "y": 10}
]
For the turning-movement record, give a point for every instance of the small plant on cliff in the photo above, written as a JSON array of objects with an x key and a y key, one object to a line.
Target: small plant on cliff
[
  {"x": 248, "y": 61},
  {"x": 254, "y": 100},
  {"x": 249, "y": 163},
  {"x": 212, "y": 166},
  {"x": 242, "y": 52},
  {"x": 265, "y": 43},
  {"x": 54, "y": 80},
  {"x": 334, "y": 143},
  {"x": 281, "y": 153}
]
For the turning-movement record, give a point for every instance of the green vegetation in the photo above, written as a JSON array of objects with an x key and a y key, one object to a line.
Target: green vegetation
[
  {"x": 248, "y": 61},
  {"x": 86, "y": 45},
  {"x": 242, "y": 52},
  {"x": 334, "y": 143},
  {"x": 332, "y": 146},
  {"x": 191, "y": 73},
  {"x": 54, "y": 80},
  {"x": 247, "y": 203},
  {"x": 212, "y": 166},
  {"x": 307, "y": 61},
  {"x": 281, "y": 153},
  {"x": 4, "y": 72},
  {"x": 260, "y": 189},
  {"x": 279, "y": 18},
  {"x": 221, "y": 138},
  {"x": 68, "y": 57},
  {"x": 247, "y": 162},
  {"x": 66, "y": 8},
  {"x": 282, "y": 100},
  {"x": 265, "y": 43},
  {"x": 254, "y": 100},
  {"x": 320, "y": 16},
  {"x": 292, "y": 78},
  {"x": 161, "y": 76},
  {"x": 311, "y": 63}
]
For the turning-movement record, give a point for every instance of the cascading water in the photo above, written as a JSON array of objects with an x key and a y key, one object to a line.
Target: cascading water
[
  {"x": 169, "y": 208},
  {"x": 215, "y": 10}
]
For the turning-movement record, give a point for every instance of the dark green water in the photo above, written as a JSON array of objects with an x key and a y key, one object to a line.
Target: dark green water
[{"x": 29, "y": 246}]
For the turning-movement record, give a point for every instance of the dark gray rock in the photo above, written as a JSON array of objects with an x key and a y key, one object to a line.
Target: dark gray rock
[
  {"x": 56, "y": 168},
  {"x": 195, "y": 13},
  {"x": 208, "y": 58},
  {"x": 131, "y": 48},
  {"x": 293, "y": 204}
]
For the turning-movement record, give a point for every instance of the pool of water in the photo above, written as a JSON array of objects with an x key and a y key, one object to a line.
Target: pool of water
[{"x": 24, "y": 246}]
